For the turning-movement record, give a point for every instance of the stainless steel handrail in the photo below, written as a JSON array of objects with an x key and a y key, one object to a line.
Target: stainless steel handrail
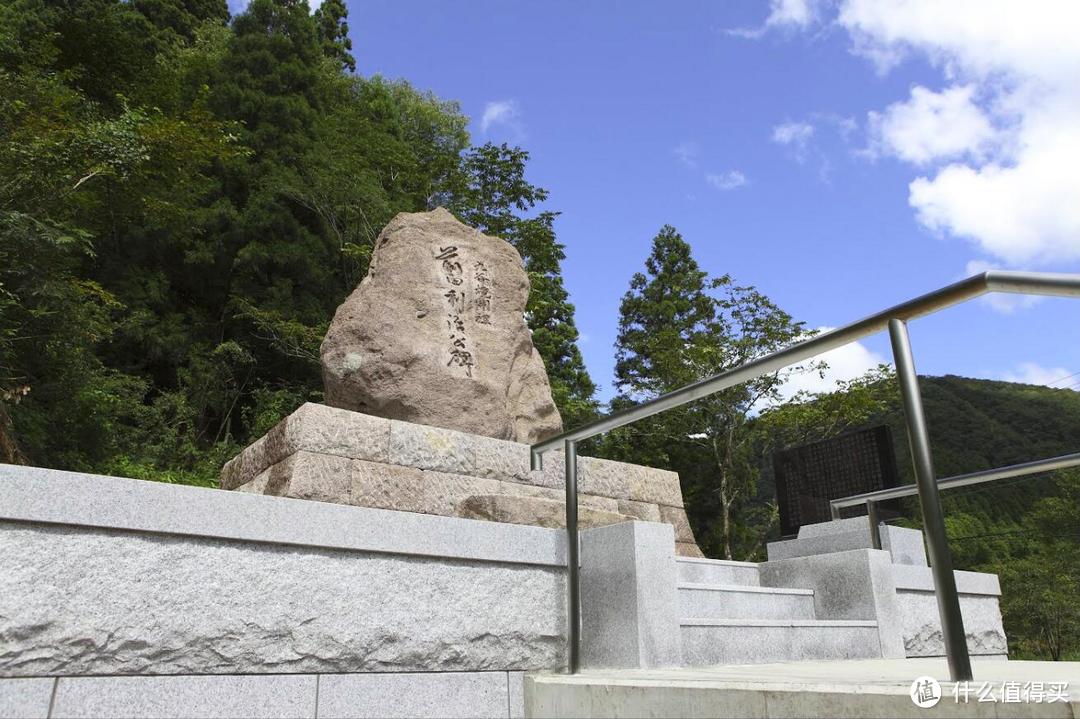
[
  {"x": 954, "y": 294},
  {"x": 894, "y": 319},
  {"x": 961, "y": 480}
]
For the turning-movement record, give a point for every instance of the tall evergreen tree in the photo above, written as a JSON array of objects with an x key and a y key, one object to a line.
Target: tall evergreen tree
[
  {"x": 182, "y": 17},
  {"x": 662, "y": 318},
  {"x": 676, "y": 326},
  {"x": 331, "y": 21}
]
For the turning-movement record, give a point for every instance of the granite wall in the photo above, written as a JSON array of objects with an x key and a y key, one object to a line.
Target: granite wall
[{"x": 102, "y": 575}]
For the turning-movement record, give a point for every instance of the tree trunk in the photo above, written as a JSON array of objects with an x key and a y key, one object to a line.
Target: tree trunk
[
  {"x": 9, "y": 449},
  {"x": 725, "y": 518}
]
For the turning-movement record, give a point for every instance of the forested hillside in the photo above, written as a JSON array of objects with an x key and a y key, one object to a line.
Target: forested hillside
[
  {"x": 979, "y": 424},
  {"x": 186, "y": 197}
]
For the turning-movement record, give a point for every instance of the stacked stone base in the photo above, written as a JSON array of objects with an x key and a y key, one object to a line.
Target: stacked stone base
[{"x": 334, "y": 455}]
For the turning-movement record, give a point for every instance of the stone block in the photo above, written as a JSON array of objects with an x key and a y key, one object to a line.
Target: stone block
[
  {"x": 644, "y": 511},
  {"x": 408, "y": 489},
  {"x": 334, "y": 455},
  {"x": 628, "y": 595},
  {"x": 676, "y": 517},
  {"x": 564, "y": 697},
  {"x": 81, "y": 601},
  {"x": 600, "y": 504},
  {"x": 518, "y": 489},
  {"x": 32, "y": 496},
  {"x": 657, "y": 486},
  {"x": 516, "y": 688},
  {"x": 251, "y": 697},
  {"x": 387, "y": 350},
  {"x": 819, "y": 545},
  {"x": 257, "y": 485},
  {"x": 841, "y": 535},
  {"x": 311, "y": 428},
  {"x": 432, "y": 448},
  {"x": 501, "y": 459},
  {"x": 711, "y": 642},
  {"x": 905, "y": 545},
  {"x": 533, "y": 510},
  {"x": 835, "y": 526},
  {"x": 26, "y": 698},
  {"x": 245, "y": 466},
  {"x": 432, "y": 694},
  {"x": 922, "y": 579},
  {"x": 307, "y": 475},
  {"x": 553, "y": 473},
  {"x": 329, "y": 430},
  {"x": 856, "y": 585},
  {"x": 390, "y": 486},
  {"x": 922, "y": 624},
  {"x": 605, "y": 478}
]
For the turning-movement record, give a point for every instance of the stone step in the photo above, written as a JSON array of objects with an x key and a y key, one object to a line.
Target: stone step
[
  {"x": 742, "y": 601},
  {"x": 717, "y": 571},
  {"x": 710, "y": 642}
]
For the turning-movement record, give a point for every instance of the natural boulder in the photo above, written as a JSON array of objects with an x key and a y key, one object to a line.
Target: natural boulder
[{"x": 436, "y": 334}]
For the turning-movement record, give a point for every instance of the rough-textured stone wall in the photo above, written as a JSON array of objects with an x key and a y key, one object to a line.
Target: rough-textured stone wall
[
  {"x": 98, "y": 601},
  {"x": 922, "y": 625},
  {"x": 334, "y": 455}
]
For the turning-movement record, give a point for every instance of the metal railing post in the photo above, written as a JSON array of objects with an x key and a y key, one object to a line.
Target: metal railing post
[
  {"x": 573, "y": 564},
  {"x": 874, "y": 519},
  {"x": 952, "y": 622}
]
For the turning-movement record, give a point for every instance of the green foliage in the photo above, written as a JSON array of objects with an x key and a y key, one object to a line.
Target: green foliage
[
  {"x": 1041, "y": 581},
  {"x": 185, "y": 199},
  {"x": 333, "y": 32}
]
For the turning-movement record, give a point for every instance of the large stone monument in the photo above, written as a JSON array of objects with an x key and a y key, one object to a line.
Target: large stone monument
[
  {"x": 436, "y": 334},
  {"x": 435, "y": 392}
]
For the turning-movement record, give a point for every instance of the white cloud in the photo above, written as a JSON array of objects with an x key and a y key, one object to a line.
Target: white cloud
[
  {"x": 844, "y": 363},
  {"x": 931, "y": 126},
  {"x": 1024, "y": 212},
  {"x": 783, "y": 14},
  {"x": 726, "y": 180},
  {"x": 496, "y": 112},
  {"x": 796, "y": 135},
  {"x": 802, "y": 138},
  {"x": 1033, "y": 373},
  {"x": 787, "y": 13},
  {"x": 1012, "y": 188},
  {"x": 687, "y": 152},
  {"x": 973, "y": 37}
]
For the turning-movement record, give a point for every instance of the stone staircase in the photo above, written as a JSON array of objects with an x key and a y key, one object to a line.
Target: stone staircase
[{"x": 727, "y": 617}]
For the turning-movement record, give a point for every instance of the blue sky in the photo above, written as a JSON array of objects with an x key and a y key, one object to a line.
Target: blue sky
[{"x": 839, "y": 155}]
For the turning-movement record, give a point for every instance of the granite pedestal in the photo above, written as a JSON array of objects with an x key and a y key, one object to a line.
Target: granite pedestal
[{"x": 334, "y": 455}]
